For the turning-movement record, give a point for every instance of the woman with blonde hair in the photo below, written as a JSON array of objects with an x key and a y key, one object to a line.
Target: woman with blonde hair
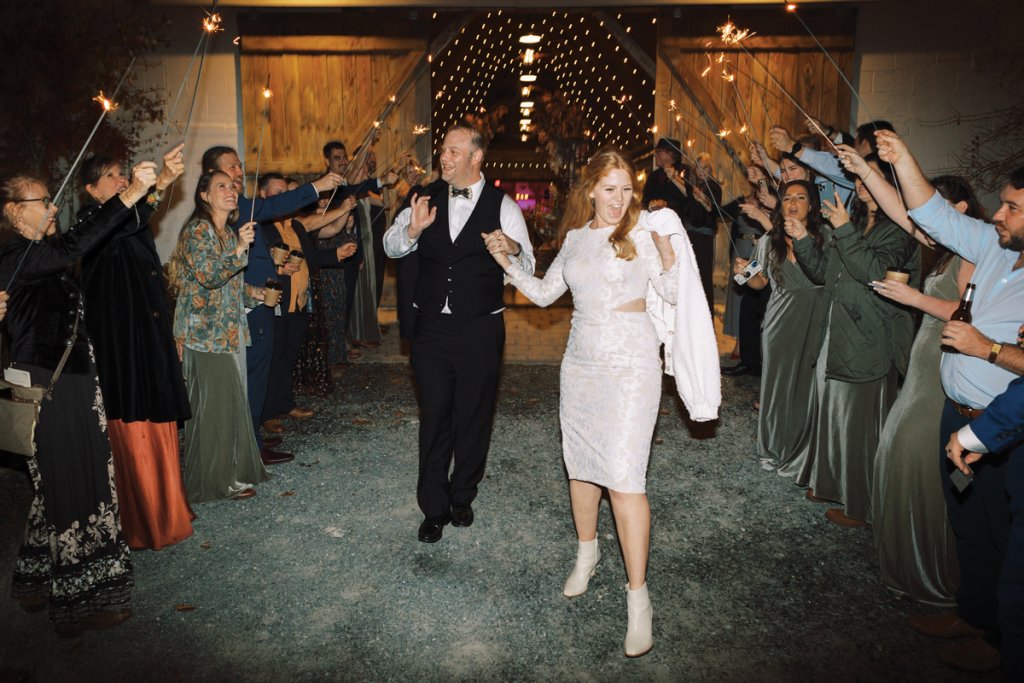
[
  {"x": 611, "y": 254},
  {"x": 221, "y": 456}
]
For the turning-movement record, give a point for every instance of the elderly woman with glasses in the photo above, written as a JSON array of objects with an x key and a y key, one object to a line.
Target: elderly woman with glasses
[{"x": 73, "y": 559}]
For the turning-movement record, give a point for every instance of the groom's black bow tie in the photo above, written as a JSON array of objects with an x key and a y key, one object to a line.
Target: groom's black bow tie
[{"x": 466, "y": 192}]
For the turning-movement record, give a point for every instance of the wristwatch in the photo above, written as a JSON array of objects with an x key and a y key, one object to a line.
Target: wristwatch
[
  {"x": 796, "y": 148},
  {"x": 994, "y": 352}
]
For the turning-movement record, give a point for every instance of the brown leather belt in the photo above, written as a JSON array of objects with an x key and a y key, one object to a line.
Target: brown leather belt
[{"x": 966, "y": 411}]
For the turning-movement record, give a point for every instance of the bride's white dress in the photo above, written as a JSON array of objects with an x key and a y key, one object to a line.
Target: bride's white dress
[{"x": 611, "y": 372}]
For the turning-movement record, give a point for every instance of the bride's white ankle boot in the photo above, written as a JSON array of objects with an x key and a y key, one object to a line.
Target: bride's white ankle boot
[
  {"x": 639, "y": 636},
  {"x": 586, "y": 560}
]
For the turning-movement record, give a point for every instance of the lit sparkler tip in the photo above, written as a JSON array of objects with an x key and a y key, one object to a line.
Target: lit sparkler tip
[
  {"x": 731, "y": 34},
  {"x": 743, "y": 129},
  {"x": 723, "y": 133},
  {"x": 392, "y": 99},
  {"x": 672, "y": 104},
  {"x": 211, "y": 24},
  {"x": 705, "y": 72},
  {"x": 654, "y": 129},
  {"x": 420, "y": 130},
  {"x": 237, "y": 40},
  {"x": 267, "y": 93},
  {"x": 791, "y": 7},
  {"x": 105, "y": 102},
  {"x": 679, "y": 117},
  {"x": 689, "y": 143},
  {"x": 376, "y": 124}
]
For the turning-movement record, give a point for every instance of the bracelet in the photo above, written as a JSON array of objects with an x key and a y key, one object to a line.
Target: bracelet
[
  {"x": 154, "y": 197},
  {"x": 868, "y": 174},
  {"x": 994, "y": 352}
]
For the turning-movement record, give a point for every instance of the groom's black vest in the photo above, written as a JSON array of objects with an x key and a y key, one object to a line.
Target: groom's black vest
[{"x": 462, "y": 272}]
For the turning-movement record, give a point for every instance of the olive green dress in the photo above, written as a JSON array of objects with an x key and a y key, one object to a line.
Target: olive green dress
[
  {"x": 789, "y": 338},
  {"x": 916, "y": 546}
]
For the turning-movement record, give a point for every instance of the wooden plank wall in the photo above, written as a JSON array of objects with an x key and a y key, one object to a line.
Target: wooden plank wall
[
  {"x": 330, "y": 88},
  {"x": 795, "y": 61}
]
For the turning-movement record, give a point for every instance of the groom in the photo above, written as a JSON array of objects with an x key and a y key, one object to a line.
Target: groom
[{"x": 460, "y": 330}]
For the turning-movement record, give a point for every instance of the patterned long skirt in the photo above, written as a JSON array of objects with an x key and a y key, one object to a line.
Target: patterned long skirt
[
  {"x": 73, "y": 554},
  {"x": 312, "y": 368}
]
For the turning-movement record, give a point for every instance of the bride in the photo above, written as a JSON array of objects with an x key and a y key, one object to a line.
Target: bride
[{"x": 611, "y": 372}]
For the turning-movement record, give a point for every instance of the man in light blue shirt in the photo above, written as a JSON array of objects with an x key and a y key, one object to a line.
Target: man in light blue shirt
[{"x": 984, "y": 365}]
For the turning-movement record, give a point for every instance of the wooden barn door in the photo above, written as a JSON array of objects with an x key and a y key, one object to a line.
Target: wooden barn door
[{"x": 332, "y": 88}]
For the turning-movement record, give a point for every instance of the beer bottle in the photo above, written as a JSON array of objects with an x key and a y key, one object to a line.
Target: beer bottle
[{"x": 962, "y": 312}]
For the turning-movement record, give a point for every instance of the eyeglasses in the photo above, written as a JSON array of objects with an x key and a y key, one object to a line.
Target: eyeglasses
[{"x": 45, "y": 200}]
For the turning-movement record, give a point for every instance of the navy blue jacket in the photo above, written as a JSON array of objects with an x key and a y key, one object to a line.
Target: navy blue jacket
[
  {"x": 1002, "y": 423},
  {"x": 261, "y": 267}
]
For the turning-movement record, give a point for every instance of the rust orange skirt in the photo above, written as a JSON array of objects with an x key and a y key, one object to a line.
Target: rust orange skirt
[{"x": 147, "y": 470}]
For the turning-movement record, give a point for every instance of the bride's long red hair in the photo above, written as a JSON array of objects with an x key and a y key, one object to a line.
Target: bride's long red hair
[{"x": 580, "y": 207}]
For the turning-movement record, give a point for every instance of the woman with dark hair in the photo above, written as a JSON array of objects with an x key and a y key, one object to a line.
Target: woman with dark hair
[
  {"x": 611, "y": 253},
  {"x": 73, "y": 558},
  {"x": 222, "y": 459},
  {"x": 139, "y": 370},
  {"x": 861, "y": 350},
  {"x": 915, "y": 543},
  {"x": 789, "y": 335}
]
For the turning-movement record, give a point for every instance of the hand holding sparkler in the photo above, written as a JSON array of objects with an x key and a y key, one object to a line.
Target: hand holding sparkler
[
  {"x": 766, "y": 197},
  {"x": 173, "y": 168},
  {"x": 835, "y": 213},
  {"x": 328, "y": 181},
  {"x": 795, "y": 228},
  {"x": 816, "y": 127},
  {"x": 756, "y": 155},
  {"x": 781, "y": 139},
  {"x": 891, "y": 147},
  {"x": 246, "y": 235},
  {"x": 753, "y": 210},
  {"x": 143, "y": 178},
  {"x": 854, "y": 162},
  {"x": 4, "y": 296}
]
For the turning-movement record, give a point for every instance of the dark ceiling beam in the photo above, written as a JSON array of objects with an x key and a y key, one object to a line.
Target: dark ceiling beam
[{"x": 475, "y": 4}]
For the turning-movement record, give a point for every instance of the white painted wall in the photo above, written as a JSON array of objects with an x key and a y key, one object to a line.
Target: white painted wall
[
  {"x": 216, "y": 119},
  {"x": 920, "y": 64}
]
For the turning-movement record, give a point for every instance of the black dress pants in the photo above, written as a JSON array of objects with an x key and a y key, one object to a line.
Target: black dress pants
[
  {"x": 704, "y": 253},
  {"x": 457, "y": 364},
  {"x": 1011, "y": 582},
  {"x": 753, "y": 303},
  {"x": 289, "y": 332},
  {"x": 980, "y": 517}
]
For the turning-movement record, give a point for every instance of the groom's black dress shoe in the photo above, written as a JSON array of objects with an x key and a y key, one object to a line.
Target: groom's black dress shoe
[
  {"x": 431, "y": 530},
  {"x": 462, "y": 515},
  {"x": 739, "y": 370}
]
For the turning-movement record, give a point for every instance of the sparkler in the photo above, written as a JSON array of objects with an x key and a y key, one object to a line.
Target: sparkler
[
  {"x": 267, "y": 94},
  {"x": 211, "y": 25},
  {"x": 107, "y": 105},
  {"x": 105, "y": 102},
  {"x": 418, "y": 131},
  {"x": 733, "y": 36},
  {"x": 791, "y": 8},
  {"x": 364, "y": 148}
]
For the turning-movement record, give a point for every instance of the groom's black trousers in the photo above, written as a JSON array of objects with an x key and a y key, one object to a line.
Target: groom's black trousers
[{"x": 457, "y": 364}]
